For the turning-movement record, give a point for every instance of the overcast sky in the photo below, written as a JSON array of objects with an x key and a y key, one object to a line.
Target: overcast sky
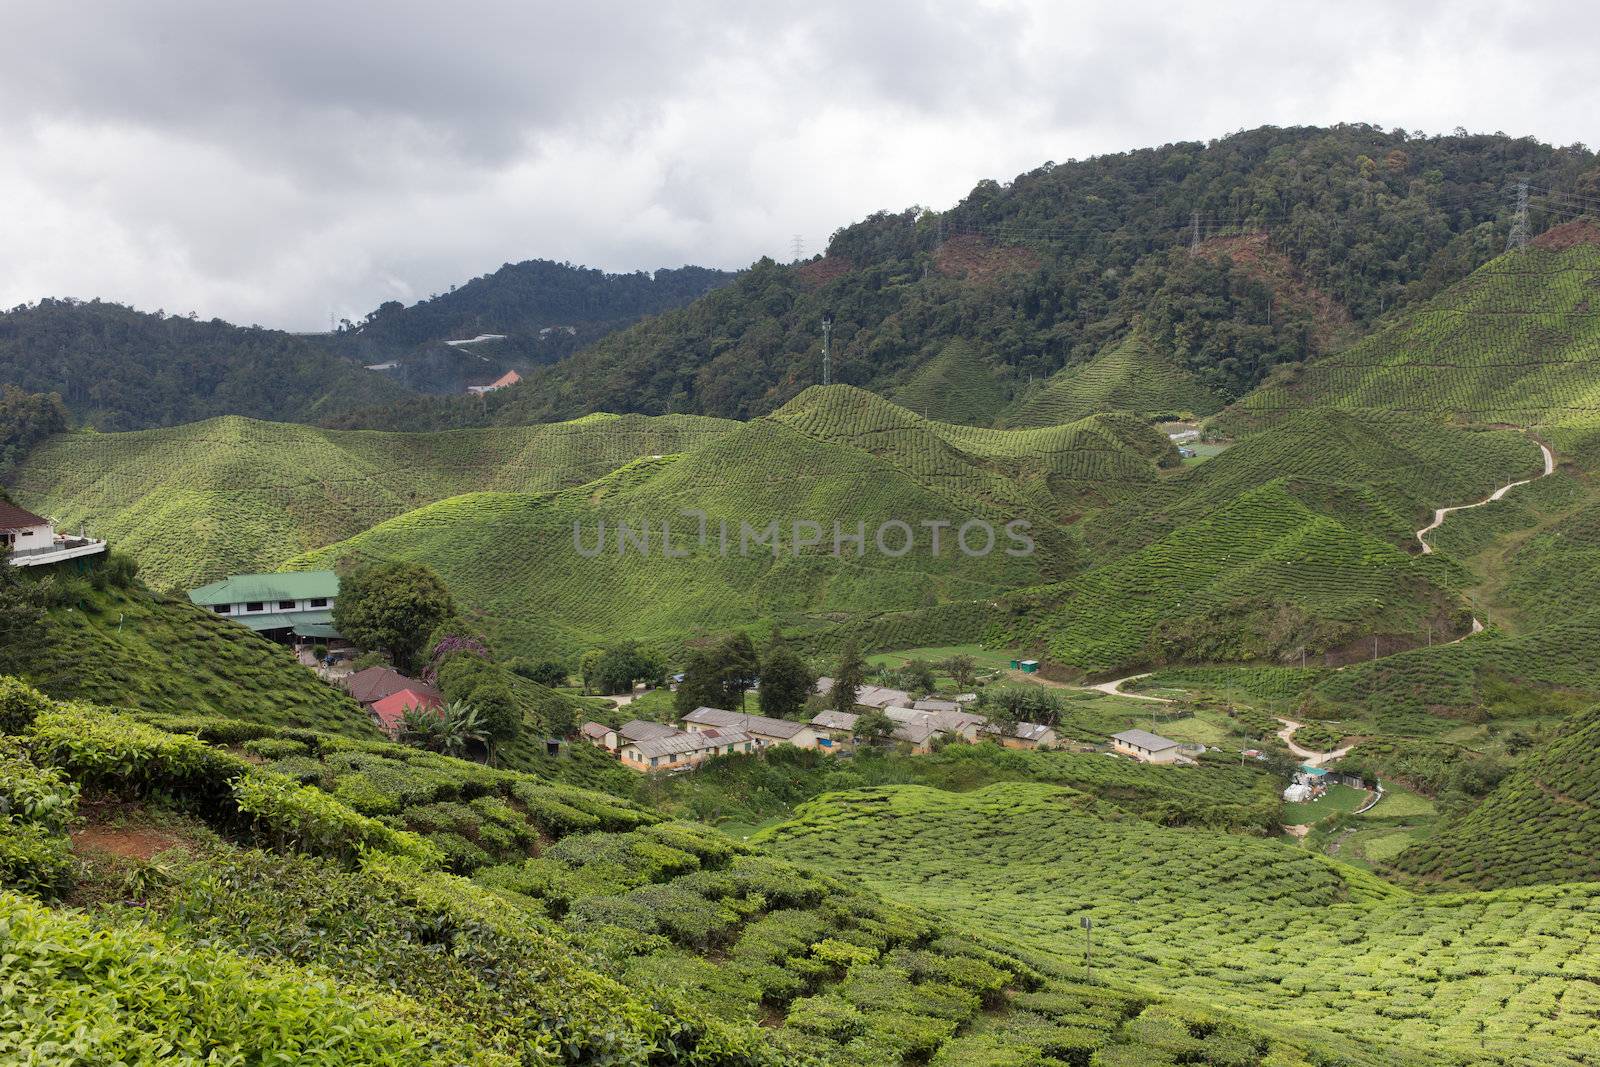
[{"x": 281, "y": 162}]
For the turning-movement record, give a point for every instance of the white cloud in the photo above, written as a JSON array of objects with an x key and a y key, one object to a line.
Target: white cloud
[{"x": 275, "y": 163}]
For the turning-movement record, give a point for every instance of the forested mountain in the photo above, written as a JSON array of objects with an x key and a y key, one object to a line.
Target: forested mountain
[
  {"x": 1306, "y": 234},
  {"x": 533, "y": 312},
  {"x": 120, "y": 369}
]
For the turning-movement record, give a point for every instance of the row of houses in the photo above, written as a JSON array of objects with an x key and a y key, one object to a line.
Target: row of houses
[{"x": 707, "y": 732}]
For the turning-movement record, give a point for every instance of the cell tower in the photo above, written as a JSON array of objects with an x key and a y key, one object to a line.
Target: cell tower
[
  {"x": 798, "y": 246},
  {"x": 827, "y": 358},
  {"x": 1518, "y": 237}
]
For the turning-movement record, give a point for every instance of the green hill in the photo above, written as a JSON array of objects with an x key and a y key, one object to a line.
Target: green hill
[
  {"x": 1540, "y": 825},
  {"x": 835, "y": 457},
  {"x": 1516, "y": 342},
  {"x": 121, "y": 369},
  {"x": 956, "y": 386},
  {"x": 132, "y": 649},
  {"x": 1259, "y": 929},
  {"x": 1041, "y": 272},
  {"x": 198, "y": 502},
  {"x": 1128, "y": 376}
]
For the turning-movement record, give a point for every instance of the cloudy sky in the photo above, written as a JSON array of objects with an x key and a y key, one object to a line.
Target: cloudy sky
[{"x": 281, "y": 162}]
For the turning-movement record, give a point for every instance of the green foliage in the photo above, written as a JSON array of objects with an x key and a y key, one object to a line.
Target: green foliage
[
  {"x": 108, "y": 651},
  {"x": 85, "y": 991},
  {"x": 848, "y": 677},
  {"x": 20, "y": 704},
  {"x": 393, "y": 607},
  {"x": 25, "y": 420},
  {"x": 121, "y": 369},
  {"x": 786, "y": 681},
  {"x": 22, "y": 611}
]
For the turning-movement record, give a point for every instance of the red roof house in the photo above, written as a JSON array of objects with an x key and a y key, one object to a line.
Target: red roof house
[
  {"x": 375, "y": 683},
  {"x": 391, "y": 710},
  {"x": 510, "y": 377}
]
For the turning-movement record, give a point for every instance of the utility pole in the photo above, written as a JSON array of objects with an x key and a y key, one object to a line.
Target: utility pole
[
  {"x": 1518, "y": 238},
  {"x": 827, "y": 357},
  {"x": 1194, "y": 233},
  {"x": 1088, "y": 948}
]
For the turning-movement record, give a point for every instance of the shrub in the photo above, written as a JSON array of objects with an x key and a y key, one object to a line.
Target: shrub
[
  {"x": 272, "y": 748},
  {"x": 304, "y": 818},
  {"x": 20, "y": 704}
]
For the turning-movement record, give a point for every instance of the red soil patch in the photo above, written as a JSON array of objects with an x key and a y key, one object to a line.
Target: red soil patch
[
  {"x": 820, "y": 272},
  {"x": 1568, "y": 235},
  {"x": 130, "y": 842},
  {"x": 1253, "y": 253},
  {"x": 976, "y": 259}
]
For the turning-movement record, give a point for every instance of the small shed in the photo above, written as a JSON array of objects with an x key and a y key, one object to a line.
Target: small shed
[{"x": 1030, "y": 666}]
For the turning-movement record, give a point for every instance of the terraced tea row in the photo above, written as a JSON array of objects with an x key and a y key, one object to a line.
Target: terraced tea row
[{"x": 1256, "y": 927}]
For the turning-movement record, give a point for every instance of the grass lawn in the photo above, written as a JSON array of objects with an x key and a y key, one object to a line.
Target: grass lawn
[
  {"x": 1339, "y": 798},
  {"x": 1401, "y": 803},
  {"x": 1203, "y": 452},
  {"x": 983, "y": 657},
  {"x": 1195, "y": 729}
]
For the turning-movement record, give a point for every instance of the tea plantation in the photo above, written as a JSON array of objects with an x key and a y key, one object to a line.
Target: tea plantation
[
  {"x": 1259, "y": 929},
  {"x": 282, "y": 924}
]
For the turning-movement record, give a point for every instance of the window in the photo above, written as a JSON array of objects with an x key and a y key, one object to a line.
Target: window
[
  {"x": 221, "y": 609},
  {"x": 286, "y": 605},
  {"x": 318, "y": 602},
  {"x": 654, "y": 760},
  {"x": 254, "y": 605}
]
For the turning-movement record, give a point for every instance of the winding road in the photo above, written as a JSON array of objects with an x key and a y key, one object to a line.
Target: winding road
[
  {"x": 1286, "y": 735},
  {"x": 1440, "y": 514}
]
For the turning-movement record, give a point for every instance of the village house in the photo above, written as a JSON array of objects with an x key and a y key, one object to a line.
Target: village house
[
  {"x": 961, "y": 724},
  {"x": 876, "y": 696},
  {"x": 1024, "y": 735},
  {"x": 919, "y": 735},
  {"x": 678, "y": 751},
  {"x": 599, "y": 735},
  {"x": 367, "y": 687},
  {"x": 283, "y": 605},
  {"x": 390, "y": 711},
  {"x": 765, "y": 730},
  {"x": 1146, "y": 747},
  {"x": 29, "y": 540},
  {"x": 835, "y": 729},
  {"x": 936, "y": 704}
]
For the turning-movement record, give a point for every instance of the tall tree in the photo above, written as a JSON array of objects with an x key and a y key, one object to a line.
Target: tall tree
[
  {"x": 394, "y": 607},
  {"x": 786, "y": 681},
  {"x": 848, "y": 677},
  {"x": 702, "y": 683},
  {"x": 741, "y": 666}
]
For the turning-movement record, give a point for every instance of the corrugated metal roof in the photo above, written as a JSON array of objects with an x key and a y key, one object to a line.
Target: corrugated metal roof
[
  {"x": 643, "y": 730},
  {"x": 836, "y": 720},
  {"x": 281, "y": 585},
  {"x": 755, "y": 724},
  {"x": 681, "y": 744},
  {"x": 1146, "y": 740}
]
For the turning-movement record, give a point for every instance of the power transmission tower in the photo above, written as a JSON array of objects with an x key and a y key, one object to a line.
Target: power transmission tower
[
  {"x": 799, "y": 246},
  {"x": 1194, "y": 233},
  {"x": 1518, "y": 238},
  {"x": 827, "y": 358}
]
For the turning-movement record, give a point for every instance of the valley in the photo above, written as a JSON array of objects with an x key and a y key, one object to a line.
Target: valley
[{"x": 1170, "y": 636}]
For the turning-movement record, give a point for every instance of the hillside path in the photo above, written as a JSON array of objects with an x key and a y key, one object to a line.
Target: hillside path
[
  {"x": 1114, "y": 688},
  {"x": 1314, "y": 759},
  {"x": 1440, "y": 514}
]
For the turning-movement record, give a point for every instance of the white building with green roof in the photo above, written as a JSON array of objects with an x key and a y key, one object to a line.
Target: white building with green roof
[{"x": 298, "y": 603}]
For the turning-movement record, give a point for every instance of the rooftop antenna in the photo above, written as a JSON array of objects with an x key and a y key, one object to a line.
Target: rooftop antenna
[
  {"x": 827, "y": 358},
  {"x": 1518, "y": 238}
]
